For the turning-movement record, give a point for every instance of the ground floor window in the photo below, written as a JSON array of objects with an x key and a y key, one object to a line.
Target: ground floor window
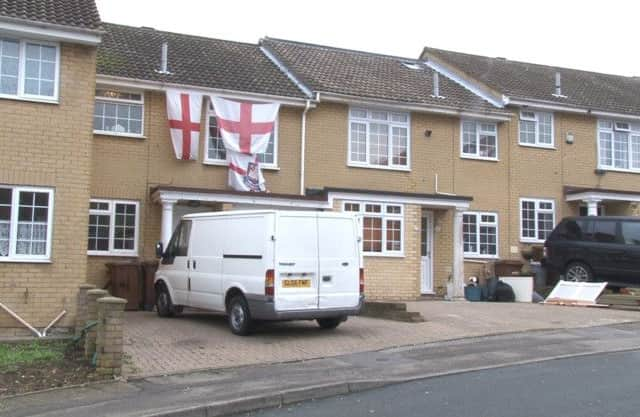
[
  {"x": 382, "y": 226},
  {"x": 537, "y": 219},
  {"x": 113, "y": 227},
  {"x": 25, "y": 223},
  {"x": 480, "y": 233}
]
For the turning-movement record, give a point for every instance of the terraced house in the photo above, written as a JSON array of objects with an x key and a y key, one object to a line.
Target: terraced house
[{"x": 451, "y": 160}]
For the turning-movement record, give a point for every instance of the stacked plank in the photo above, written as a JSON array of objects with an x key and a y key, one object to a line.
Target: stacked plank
[{"x": 621, "y": 301}]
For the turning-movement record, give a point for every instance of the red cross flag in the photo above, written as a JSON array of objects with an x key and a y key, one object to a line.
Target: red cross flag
[
  {"x": 183, "y": 110},
  {"x": 245, "y": 126},
  {"x": 244, "y": 172}
]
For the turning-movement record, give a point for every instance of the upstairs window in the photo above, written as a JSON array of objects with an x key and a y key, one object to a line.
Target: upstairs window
[
  {"x": 118, "y": 113},
  {"x": 619, "y": 145},
  {"x": 479, "y": 140},
  {"x": 378, "y": 139},
  {"x": 536, "y": 129},
  {"x": 29, "y": 70},
  {"x": 217, "y": 154}
]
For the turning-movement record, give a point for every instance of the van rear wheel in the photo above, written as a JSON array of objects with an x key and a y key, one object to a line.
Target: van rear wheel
[
  {"x": 239, "y": 316},
  {"x": 330, "y": 323},
  {"x": 164, "y": 305},
  {"x": 578, "y": 272}
]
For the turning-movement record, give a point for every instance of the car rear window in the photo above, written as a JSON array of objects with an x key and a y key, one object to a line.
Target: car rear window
[{"x": 631, "y": 232}]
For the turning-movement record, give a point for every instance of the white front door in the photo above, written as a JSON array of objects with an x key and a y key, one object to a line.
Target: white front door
[{"x": 426, "y": 252}]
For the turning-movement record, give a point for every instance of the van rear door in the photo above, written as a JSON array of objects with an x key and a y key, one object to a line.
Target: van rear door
[
  {"x": 296, "y": 262},
  {"x": 339, "y": 262}
]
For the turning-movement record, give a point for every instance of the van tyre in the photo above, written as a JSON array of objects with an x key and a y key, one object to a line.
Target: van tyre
[
  {"x": 164, "y": 305},
  {"x": 578, "y": 272},
  {"x": 239, "y": 316},
  {"x": 330, "y": 323}
]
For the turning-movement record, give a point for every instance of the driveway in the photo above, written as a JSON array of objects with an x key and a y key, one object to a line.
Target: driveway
[{"x": 196, "y": 340}]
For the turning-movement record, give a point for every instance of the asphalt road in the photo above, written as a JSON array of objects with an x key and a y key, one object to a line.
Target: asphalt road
[{"x": 600, "y": 386}]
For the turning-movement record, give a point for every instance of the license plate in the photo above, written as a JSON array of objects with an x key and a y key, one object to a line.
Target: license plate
[{"x": 296, "y": 283}]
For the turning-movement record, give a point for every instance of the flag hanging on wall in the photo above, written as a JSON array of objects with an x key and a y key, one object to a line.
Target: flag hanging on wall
[
  {"x": 244, "y": 172},
  {"x": 245, "y": 126},
  {"x": 184, "y": 112}
]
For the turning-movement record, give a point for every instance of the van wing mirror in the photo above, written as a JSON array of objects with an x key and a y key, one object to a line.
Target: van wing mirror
[{"x": 159, "y": 250}]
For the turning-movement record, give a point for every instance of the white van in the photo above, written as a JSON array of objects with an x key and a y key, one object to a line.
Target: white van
[{"x": 263, "y": 265}]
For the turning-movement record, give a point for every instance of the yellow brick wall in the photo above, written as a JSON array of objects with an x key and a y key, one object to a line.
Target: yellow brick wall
[{"x": 50, "y": 145}]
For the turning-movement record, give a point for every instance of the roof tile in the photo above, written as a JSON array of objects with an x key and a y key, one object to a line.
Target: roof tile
[{"x": 81, "y": 14}]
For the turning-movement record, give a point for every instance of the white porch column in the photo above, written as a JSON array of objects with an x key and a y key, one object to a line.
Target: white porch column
[
  {"x": 592, "y": 206},
  {"x": 458, "y": 256},
  {"x": 167, "y": 221}
]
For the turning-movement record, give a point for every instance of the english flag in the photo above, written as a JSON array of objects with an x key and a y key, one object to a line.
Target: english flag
[
  {"x": 244, "y": 172},
  {"x": 184, "y": 112},
  {"x": 245, "y": 126}
]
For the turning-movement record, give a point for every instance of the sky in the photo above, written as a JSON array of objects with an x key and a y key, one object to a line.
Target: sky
[{"x": 589, "y": 35}]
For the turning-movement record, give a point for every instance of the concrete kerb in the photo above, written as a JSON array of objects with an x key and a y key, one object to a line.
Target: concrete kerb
[{"x": 288, "y": 397}]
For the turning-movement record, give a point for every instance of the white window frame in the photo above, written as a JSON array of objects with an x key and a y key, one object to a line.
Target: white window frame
[
  {"x": 479, "y": 132},
  {"x": 223, "y": 162},
  {"x": 116, "y": 101},
  {"x": 633, "y": 130},
  {"x": 479, "y": 223},
  {"x": 111, "y": 212},
  {"x": 384, "y": 216},
  {"x": 537, "y": 210},
  {"x": 22, "y": 53},
  {"x": 536, "y": 119},
  {"x": 13, "y": 226},
  {"x": 391, "y": 124}
]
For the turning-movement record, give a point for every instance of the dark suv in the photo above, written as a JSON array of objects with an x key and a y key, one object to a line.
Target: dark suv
[{"x": 596, "y": 249}]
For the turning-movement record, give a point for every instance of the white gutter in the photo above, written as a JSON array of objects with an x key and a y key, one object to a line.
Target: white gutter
[
  {"x": 303, "y": 141},
  {"x": 49, "y": 31},
  {"x": 555, "y": 107},
  {"x": 417, "y": 107},
  {"x": 110, "y": 80}
]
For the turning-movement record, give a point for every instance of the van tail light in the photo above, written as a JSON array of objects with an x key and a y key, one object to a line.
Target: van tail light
[
  {"x": 545, "y": 252},
  {"x": 361, "y": 280},
  {"x": 269, "y": 280}
]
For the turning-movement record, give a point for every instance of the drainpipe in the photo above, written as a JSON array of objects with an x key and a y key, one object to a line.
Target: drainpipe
[{"x": 303, "y": 139}]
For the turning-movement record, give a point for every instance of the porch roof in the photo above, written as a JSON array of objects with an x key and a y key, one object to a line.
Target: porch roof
[{"x": 600, "y": 194}]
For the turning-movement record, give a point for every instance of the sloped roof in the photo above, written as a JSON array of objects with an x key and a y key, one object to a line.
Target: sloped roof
[
  {"x": 368, "y": 75},
  {"x": 134, "y": 52},
  {"x": 526, "y": 81},
  {"x": 79, "y": 14}
]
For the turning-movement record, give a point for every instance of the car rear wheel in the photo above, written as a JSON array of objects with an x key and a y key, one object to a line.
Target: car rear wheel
[
  {"x": 330, "y": 323},
  {"x": 239, "y": 316},
  {"x": 578, "y": 272}
]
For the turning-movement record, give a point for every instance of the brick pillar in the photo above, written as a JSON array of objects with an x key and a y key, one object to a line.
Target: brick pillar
[
  {"x": 81, "y": 313},
  {"x": 109, "y": 339},
  {"x": 92, "y": 315}
]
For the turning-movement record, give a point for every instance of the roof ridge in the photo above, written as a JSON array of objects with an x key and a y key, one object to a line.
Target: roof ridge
[
  {"x": 501, "y": 59},
  {"x": 166, "y": 32},
  {"x": 336, "y": 48}
]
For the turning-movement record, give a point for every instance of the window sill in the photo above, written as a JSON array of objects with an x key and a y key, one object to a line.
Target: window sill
[
  {"x": 112, "y": 254},
  {"x": 31, "y": 99},
  {"x": 530, "y": 145},
  {"x": 214, "y": 162},
  {"x": 25, "y": 261},
  {"x": 118, "y": 134},
  {"x": 479, "y": 158},
  {"x": 625, "y": 171},
  {"x": 382, "y": 255},
  {"x": 380, "y": 167},
  {"x": 532, "y": 240},
  {"x": 472, "y": 258}
]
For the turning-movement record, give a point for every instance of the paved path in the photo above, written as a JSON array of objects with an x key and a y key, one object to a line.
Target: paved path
[
  {"x": 592, "y": 386},
  {"x": 156, "y": 346},
  {"x": 221, "y": 392}
]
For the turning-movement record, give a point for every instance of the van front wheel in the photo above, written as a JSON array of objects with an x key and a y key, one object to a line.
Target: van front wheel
[
  {"x": 330, "y": 323},
  {"x": 239, "y": 316}
]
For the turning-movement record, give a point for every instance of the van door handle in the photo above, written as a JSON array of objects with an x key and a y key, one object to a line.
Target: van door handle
[
  {"x": 188, "y": 263},
  {"x": 345, "y": 264},
  {"x": 287, "y": 263},
  {"x": 193, "y": 263},
  {"x": 326, "y": 278}
]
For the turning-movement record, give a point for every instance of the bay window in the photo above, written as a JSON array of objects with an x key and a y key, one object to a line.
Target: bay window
[
  {"x": 25, "y": 223},
  {"x": 382, "y": 227},
  {"x": 618, "y": 145},
  {"x": 378, "y": 139}
]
